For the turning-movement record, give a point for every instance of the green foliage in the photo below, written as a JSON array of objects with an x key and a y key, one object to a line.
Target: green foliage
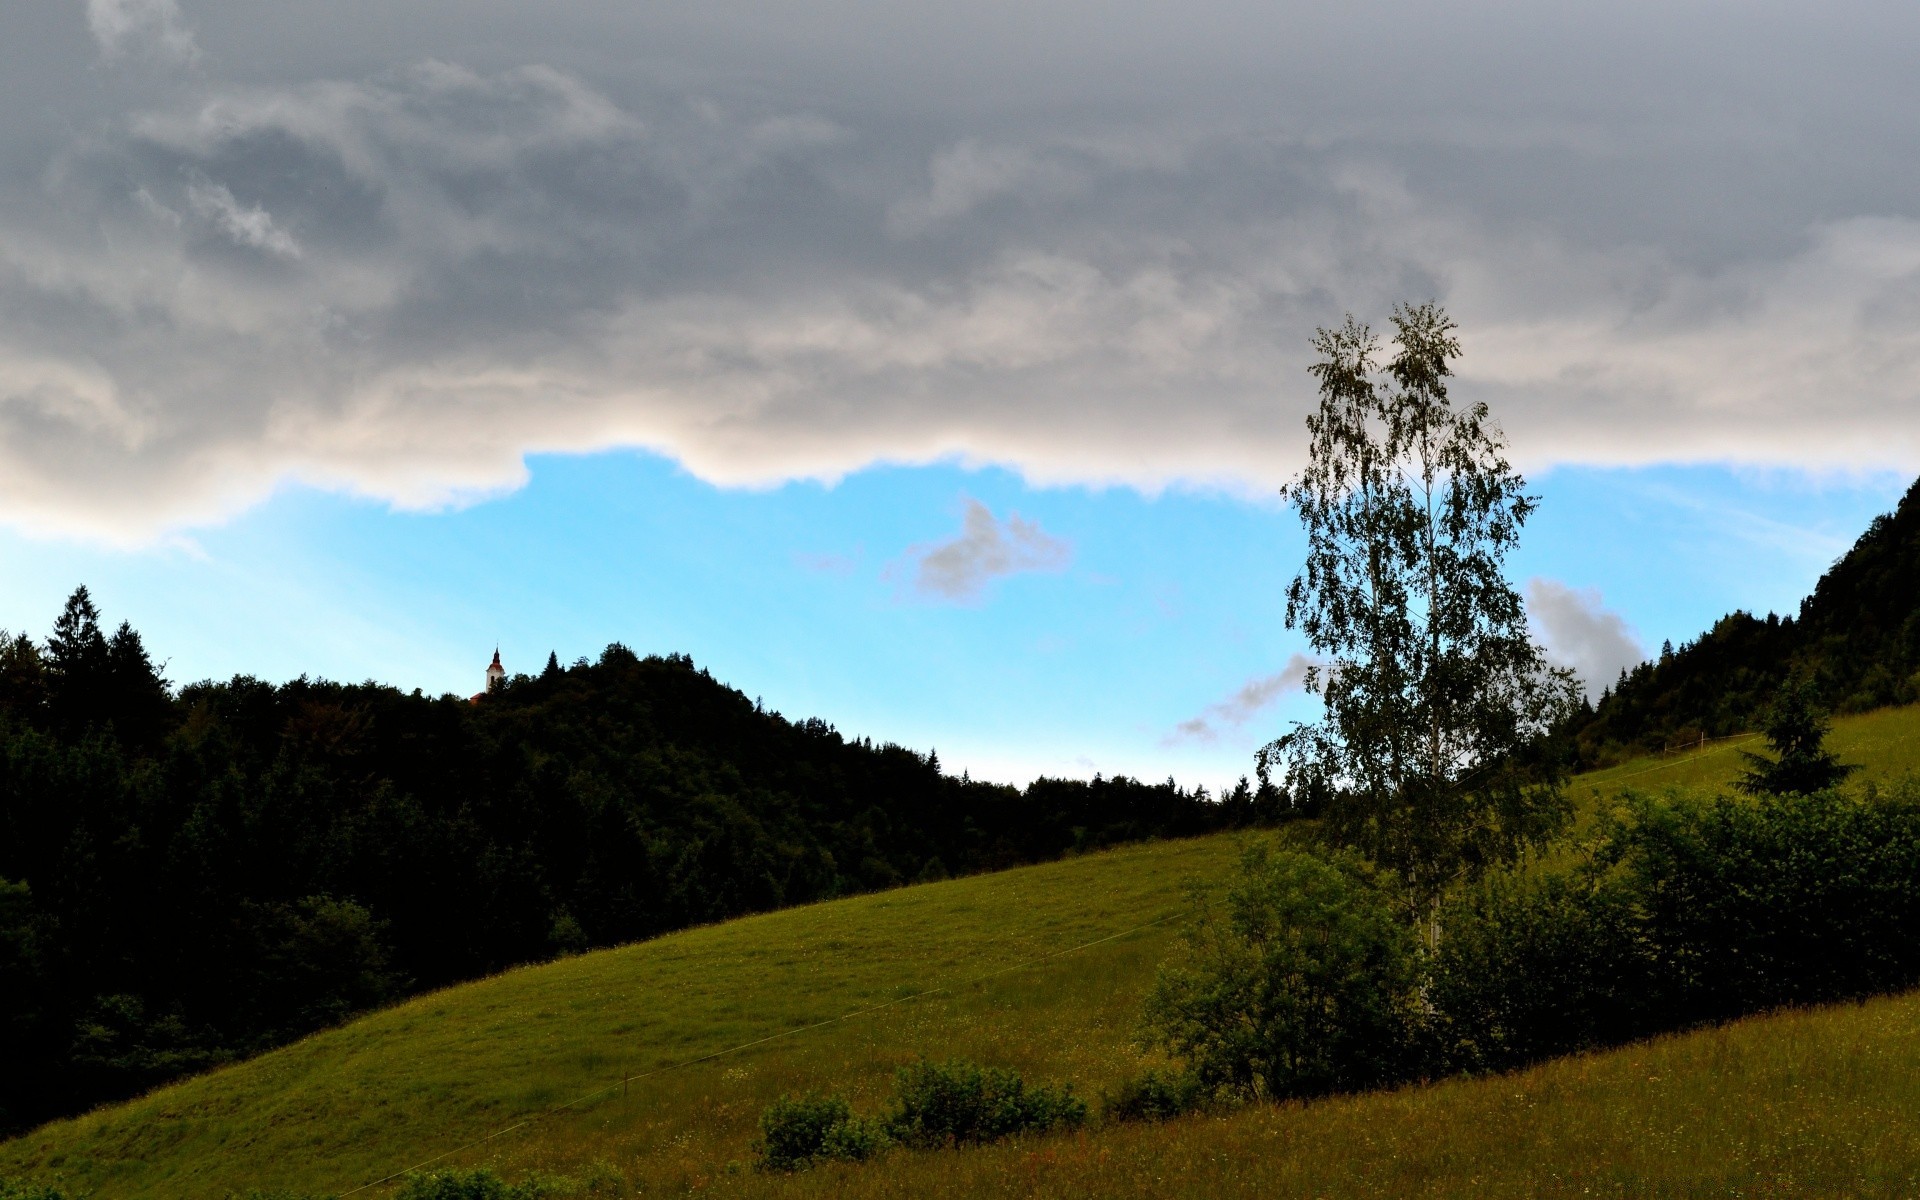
[
  {"x": 1796, "y": 899},
  {"x": 1436, "y": 696},
  {"x": 1155, "y": 1094},
  {"x": 797, "y": 1131},
  {"x": 205, "y": 875},
  {"x": 481, "y": 1183},
  {"x": 9, "y": 1190},
  {"x": 1305, "y": 980},
  {"x": 1534, "y": 965},
  {"x": 1796, "y": 728},
  {"x": 354, "y": 1103},
  {"x": 1857, "y": 637},
  {"x": 1687, "y": 911},
  {"x": 959, "y": 1103}
]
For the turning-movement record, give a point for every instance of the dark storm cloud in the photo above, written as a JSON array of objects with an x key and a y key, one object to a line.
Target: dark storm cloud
[{"x": 394, "y": 247}]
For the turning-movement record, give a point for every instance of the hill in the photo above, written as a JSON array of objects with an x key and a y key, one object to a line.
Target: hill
[
  {"x": 1857, "y": 634},
  {"x": 188, "y": 878},
  {"x": 1040, "y": 968}
]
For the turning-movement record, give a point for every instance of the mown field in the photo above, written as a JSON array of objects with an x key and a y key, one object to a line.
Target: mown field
[{"x": 1042, "y": 969}]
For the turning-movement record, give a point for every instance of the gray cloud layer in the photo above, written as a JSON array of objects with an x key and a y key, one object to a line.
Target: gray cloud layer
[
  {"x": 1579, "y": 631},
  {"x": 986, "y": 549},
  {"x": 391, "y": 248}
]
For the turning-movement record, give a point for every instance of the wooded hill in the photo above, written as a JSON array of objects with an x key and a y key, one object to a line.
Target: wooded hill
[
  {"x": 190, "y": 878},
  {"x": 1857, "y": 636}
]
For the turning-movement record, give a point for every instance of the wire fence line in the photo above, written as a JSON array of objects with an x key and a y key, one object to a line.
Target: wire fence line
[
  {"x": 1700, "y": 752},
  {"x": 628, "y": 1079}
]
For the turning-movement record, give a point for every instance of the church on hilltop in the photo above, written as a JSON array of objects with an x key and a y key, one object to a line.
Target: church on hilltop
[{"x": 496, "y": 675}]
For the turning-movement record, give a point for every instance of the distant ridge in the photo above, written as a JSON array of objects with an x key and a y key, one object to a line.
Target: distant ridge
[{"x": 1858, "y": 634}]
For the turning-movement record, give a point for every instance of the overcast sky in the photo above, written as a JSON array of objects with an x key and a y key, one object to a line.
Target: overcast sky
[{"x": 386, "y": 249}]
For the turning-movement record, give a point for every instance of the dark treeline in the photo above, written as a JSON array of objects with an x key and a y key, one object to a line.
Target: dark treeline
[
  {"x": 187, "y": 878},
  {"x": 1857, "y": 638}
]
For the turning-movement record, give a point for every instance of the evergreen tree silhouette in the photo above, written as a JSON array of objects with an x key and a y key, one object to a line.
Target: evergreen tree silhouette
[
  {"x": 1796, "y": 730},
  {"x": 77, "y": 665}
]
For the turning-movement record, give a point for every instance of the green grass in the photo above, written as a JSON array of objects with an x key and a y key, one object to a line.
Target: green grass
[
  {"x": 1885, "y": 743},
  {"x": 1790, "y": 1104},
  {"x": 353, "y": 1104}
]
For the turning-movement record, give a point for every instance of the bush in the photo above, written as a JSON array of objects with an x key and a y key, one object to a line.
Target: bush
[
  {"x": 1795, "y": 899},
  {"x": 958, "y": 1103},
  {"x": 478, "y": 1184},
  {"x": 1305, "y": 981},
  {"x": 9, "y": 1190},
  {"x": 1532, "y": 966},
  {"x": 1688, "y": 911},
  {"x": 796, "y": 1131},
  {"x": 1153, "y": 1096}
]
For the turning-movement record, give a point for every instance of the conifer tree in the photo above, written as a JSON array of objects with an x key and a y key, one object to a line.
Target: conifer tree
[
  {"x": 77, "y": 665},
  {"x": 1796, "y": 730}
]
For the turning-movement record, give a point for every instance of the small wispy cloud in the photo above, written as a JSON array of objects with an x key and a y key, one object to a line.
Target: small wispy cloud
[
  {"x": 1579, "y": 631},
  {"x": 252, "y": 227},
  {"x": 141, "y": 29},
  {"x": 986, "y": 549},
  {"x": 827, "y": 564},
  {"x": 1246, "y": 703}
]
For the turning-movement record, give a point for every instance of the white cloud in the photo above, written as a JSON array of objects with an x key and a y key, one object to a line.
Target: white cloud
[
  {"x": 135, "y": 28},
  {"x": 1580, "y": 632},
  {"x": 985, "y": 549},
  {"x": 1236, "y": 710}
]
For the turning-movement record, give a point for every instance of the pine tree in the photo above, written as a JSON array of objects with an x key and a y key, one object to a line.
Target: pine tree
[
  {"x": 137, "y": 700},
  {"x": 1796, "y": 730},
  {"x": 77, "y": 666},
  {"x": 552, "y": 670}
]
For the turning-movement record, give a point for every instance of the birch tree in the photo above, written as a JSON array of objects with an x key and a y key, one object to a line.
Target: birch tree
[{"x": 1429, "y": 756}]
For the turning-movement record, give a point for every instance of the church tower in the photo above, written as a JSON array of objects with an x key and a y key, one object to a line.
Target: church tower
[{"x": 496, "y": 674}]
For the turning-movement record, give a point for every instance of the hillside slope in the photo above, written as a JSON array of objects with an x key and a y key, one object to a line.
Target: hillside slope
[
  {"x": 1857, "y": 634},
  {"x": 1775, "y": 1103},
  {"x": 352, "y": 1104}
]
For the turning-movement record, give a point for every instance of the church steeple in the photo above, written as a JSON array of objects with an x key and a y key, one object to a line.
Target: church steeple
[{"x": 496, "y": 674}]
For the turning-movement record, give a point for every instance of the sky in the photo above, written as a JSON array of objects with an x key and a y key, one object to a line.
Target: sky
[{"x": 930, "y": 369}]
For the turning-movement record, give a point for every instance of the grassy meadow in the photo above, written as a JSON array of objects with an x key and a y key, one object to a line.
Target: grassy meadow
[{"x": 1795, "y": 1103}]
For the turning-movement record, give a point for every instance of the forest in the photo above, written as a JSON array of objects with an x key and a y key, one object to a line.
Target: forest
[
  {"x": 1857, "y": 636},
  {"x": 189, "y": 876}
]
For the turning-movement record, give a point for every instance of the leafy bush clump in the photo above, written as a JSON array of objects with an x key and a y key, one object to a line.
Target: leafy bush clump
[
  {"x": 959, "y": 1103},
  {"x": 1532, "y": 966},
  {"x": 9, "y": 1190},
  {"x": 1687, "y": 911},
  {"x": 1305, "y": 981},
  {"x": 1153, "y": 1095},
  {"x": 797, "y": 1131},
  {"x": 478, "y": 1184}
]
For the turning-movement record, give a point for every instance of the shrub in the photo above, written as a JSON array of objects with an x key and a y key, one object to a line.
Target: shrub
[
  {"x": 1305, "y": 981},
  {"x": 1794, "y": 899},
  {"x": 958, "y": 1102},
  {"x": 478, "y": 1184},
  {"x": 1153, "y": 1095},
  {"x": 1688, "y": 911},
  {"x": 9, "y": 1190},
  {"x": 796, "y": 1131},
  {"x": 1537, "y": 965}
]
